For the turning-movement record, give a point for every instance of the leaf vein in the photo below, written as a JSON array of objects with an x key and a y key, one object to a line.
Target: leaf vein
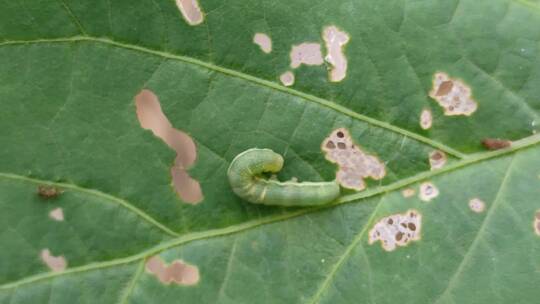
[
  {"x": 96, "y": 193},
  {"x": 527, "y": 142},
  {"x": 253, "y": 79}
]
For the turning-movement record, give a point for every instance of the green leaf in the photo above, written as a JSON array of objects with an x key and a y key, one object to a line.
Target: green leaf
[{"x": 69, "y": 72}]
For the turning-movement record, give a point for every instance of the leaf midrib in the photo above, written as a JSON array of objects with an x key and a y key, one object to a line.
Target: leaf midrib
[
  {"x": 256, "y": 80},
  {"x": 183, "y": 239}
]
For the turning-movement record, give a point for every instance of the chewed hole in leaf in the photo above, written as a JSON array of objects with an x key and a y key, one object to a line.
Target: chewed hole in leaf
[
  {"x": 191, "y": 11},
  {"x": 151, "y": 117},
  {"x": 177, "y": 272},
  {"x": 263, "y": 41},
  {"x": 55, "y": 263},
  {"x": 354, "y": 164},
  {"x": 57, "y": 214},
  {"x": 396, "y": 230}
]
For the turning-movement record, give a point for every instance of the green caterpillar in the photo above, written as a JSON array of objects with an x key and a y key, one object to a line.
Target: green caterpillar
[{"x": 245, "y": 177}]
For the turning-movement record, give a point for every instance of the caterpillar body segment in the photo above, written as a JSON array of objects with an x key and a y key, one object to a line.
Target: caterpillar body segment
[{"x": 245, "y": 175}]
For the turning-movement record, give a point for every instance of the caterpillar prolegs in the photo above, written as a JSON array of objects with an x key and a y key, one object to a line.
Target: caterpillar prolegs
[{"x": 247, "y": 181}]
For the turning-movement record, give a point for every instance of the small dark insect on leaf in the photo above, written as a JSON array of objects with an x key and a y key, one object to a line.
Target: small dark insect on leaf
[
  {"x": 495, "y": 143},
  {"x": 48, "y": 192}
]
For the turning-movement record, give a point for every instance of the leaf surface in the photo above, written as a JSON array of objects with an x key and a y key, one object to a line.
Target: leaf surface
[{"x": 69, "y": 72}]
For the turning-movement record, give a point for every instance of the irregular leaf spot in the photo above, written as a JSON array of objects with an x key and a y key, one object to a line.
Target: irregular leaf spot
[
  {"x": 48, "y": 192},
  {"x": 335, "y": 41},
  {"x": 426, "y": 119},
  {"x": 537, "y": 223},
  {"x": 307, "y": 53},
  {"x": 397, "y": 230},
  {"x": 453, "y": 95},
  {"x": 495, "y": 143},
  {"x": 151, "y": 117},
  {"x": 428, "y": 191},
  {"x": 287, "y": 78},
  {"x": 354, "y": 164},
  {"x": 54, "y": 263},
  {"x": 409, "y": 192},
  {"x": 437, "y": 159},
  {"x": 57, "y": 214},
  {"x": 191, "y": 11},
  {"x": 178, "y": 272},
  {"x": 477, "y": 205},
  {"x": 263, "y": 41}
]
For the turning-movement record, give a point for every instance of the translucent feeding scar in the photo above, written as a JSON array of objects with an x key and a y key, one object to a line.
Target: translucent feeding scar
[
  {"x": 287, "y": 78},
  {"x": 335, "y": 40},
  {"x": 453, "y": 95},
  {"x": 177, "y": 272},
  {"x": 354, "y": 164},
  {"x": 409, "y": 192},
  {"x": 191, "y": 11},
  {"x": 426, "y": 119},
  {"x": 477, "y": 205},
  {"x": 537, "y": 222},
  {"x": 263, "y": 41},
  {"x": 306, "y": 53},
  {"x": 151, "y": 117},
  {"x": 437, "y": 159},
  {"x": 57, "y": 214},
  {"x": 428, "y": 191},
  {"x": 397, "y": 230},
  {"x": 54, "y": 263}
]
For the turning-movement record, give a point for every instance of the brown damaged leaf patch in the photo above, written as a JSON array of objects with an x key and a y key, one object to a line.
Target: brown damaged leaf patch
[
  {"x": 397, "y": 230},
  {"x": 354, "y": 164}
]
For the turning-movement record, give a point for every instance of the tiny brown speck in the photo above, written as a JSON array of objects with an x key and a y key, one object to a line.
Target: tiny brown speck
[
  {"x": 340, "y": 134},
  {"x": 399, "y": 236},
  {"x": 48, "y": 191},
  {"x": 403, "y": 225},
  {"x": 412, "y": 226},
  {"x": 342, "y": 146},
  {"x": 495, "y": 143},
  {"x": 390, "y": 221},
  {"x": 445, "y": 88},
  {"x": 330, "y": 145}
]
